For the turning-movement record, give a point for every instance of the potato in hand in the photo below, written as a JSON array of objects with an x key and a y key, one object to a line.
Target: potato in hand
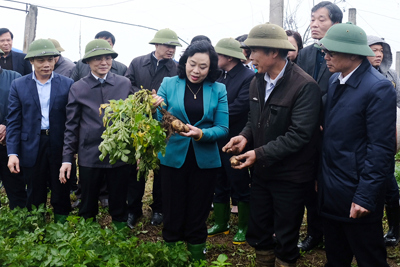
[{"x": 179, "y": 126}]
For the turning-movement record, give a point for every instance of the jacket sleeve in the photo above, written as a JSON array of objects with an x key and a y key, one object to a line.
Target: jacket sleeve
[
  {"x": 130, "y": 74},
  {"x": 305, "y": 120},
  {"x": 380, "y": 116},
  {"x": 241, "y": 103},
  {"x": 71, "y": 134},
  {"x": 14, "y": 121}
]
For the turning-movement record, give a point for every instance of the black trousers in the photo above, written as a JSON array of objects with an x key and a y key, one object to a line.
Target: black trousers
[
  {"x": 392, "y": 190},
  {"x": 187, "y": 197},
  {"x": 117, "y": 181},
  {"x": 13, "y": 182},
  {"x": 46, "y": 172},
  {"x": 136, "y": 192},
  {"x": 362, "y": 240},
  {"x": 231, "y": 181},
  {"x": 276, "y": 207},
  {"x": 314, "y": 221}
]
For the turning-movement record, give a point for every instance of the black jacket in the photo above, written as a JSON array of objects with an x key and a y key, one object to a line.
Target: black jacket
[
  {"x": 142, "y": 73},
  {"x": 19, "y": 63},
  {"x": 284, "y": 131}
]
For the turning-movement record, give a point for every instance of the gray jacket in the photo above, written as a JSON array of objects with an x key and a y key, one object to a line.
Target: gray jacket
[
  {"x": 82, "y": 70},
  {"x": 64, "y": 66},
  {"x": 387, "y": 60}
]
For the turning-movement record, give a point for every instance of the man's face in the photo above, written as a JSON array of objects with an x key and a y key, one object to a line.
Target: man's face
[
  {"x": 164, "y": 51},
  {"x": 6, "y": 42},
  {"x": 43, "y": 66},
  {"x": 339, "y": 62},
  {"x": 320, "y": 23},
  {"x": 222, "y": 61},
  {"x": 100, "y": 65},
  {"x": 377, "y": 59},
  {"x": 262, "y": 62},
  {"x": 108, "y": 40}
]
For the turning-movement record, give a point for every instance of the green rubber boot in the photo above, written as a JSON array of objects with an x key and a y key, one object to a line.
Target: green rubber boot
[
  {"x": 120, "y": 225},
  {"x": 197, "y": 251},
  {"x": 170, "y": 244},
  {"x": 60, "y": 218},
  {"x": 222, "y": 213},
  {"x": 244, "y": 214}
]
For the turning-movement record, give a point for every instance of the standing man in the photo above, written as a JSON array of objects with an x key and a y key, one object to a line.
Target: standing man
[
  {"x": 63, "y": 66},
  {"x": 35, "y": 130},
  {"x": 359, "y": 133},
  {"x": 382, "y": 62},
  {"x": 13, "y": 183},
  {"x": 282, "y": 132},
  {"x": 82, "y": 70},
  {"x": 12, "y": 60},
  {"x": 84, "y": 128},
  {"x": 148, "y": 72},
  {"x": 236, "y": 78},
  {"x": 311, "y": 60}
]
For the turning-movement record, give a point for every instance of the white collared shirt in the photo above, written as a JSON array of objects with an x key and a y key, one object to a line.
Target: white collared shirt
[
  {"x": 271, "y": 83},
  {"x": 44, "y": 90},
  {"x": 342, "y": 79}
]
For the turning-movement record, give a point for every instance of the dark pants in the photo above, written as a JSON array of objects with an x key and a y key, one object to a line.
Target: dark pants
[
  {"x": 314, "y": 221},
  {"x": 276, "y": 207},
  {"x": 363, "y": 240},
  {"x": 392, "y": 192},
  {"x": 136, "y": 192},
  {"x": 187, "y": 197},
  {"x": 91, "y": 181},
  {"x": 46, "y": 172},
  {"x": 231, "y": 180},
  {"x": 13, "y": 183}
]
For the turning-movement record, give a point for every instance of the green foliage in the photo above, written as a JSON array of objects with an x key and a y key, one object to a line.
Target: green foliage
[
  {"x": 26, "y": 240},
  {"x": 221, "y": 261},
  {"x": 131, "y": 132},
  {"x": 397, "y": 172}
]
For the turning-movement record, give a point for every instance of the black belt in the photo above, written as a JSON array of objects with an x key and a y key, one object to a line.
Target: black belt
[{"x": 45, "y": 132}]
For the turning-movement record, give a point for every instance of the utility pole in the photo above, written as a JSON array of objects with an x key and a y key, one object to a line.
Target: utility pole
[
  {"x": 276, "y": 12},
  {"x": 30, "y": 27},
  {"x": 352, "y": 15}
]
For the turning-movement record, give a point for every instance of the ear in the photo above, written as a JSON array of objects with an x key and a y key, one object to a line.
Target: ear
[{"x": 274, "y": 52}]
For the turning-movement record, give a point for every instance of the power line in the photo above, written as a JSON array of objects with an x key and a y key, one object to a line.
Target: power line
[
  {"x": 13, "y": 8},
  {"x": 113, "y": 4},
  {"x": 90, "y": 17}
]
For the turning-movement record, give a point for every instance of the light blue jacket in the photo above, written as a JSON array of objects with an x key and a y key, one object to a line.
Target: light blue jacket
[{"x": 214, "y": 124}]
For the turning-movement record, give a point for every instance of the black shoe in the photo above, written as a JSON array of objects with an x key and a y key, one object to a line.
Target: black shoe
[
  {"x": 104, "y": 202},
  {"x": 392, "y": 238},
  {"x": 132, "y": 219},
  {"x": 309, "y": 243},
  {"x": 156, "y": 219}
]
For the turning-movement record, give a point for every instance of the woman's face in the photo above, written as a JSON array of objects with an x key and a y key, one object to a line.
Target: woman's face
[
  {"x": 197, "y": 67},
  {"x": 292, "y": 55}
]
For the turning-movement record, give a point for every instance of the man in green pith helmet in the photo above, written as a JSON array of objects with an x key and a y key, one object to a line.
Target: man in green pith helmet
[
  {"x": 236, "y": 78},
  {"x": 282, "y": 131},
  {"x": 148, "y": 72},
  {"x": 84, "y": 128},
  {"x": 359, "y": 133},
  {"x": 35, "y": 130}
]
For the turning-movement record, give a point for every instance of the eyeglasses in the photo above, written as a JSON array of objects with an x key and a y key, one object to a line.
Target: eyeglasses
[{"x": 325, "y": 50}]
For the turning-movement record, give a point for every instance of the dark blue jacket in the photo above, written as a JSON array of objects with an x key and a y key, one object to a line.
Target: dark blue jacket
[
  {"x": 24, "y": 118},
  {"x": 20, "y": 65},
  {"x": 6, "y": 77},
  {"x": 358, "y": 145}
]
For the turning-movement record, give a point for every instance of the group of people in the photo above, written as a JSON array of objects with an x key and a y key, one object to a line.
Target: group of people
[{"x": 310, "y": 127}]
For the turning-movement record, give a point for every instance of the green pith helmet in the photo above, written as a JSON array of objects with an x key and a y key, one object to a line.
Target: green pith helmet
[
  {"x": 1, "y": 52},
  {"x": 268, "y": 35},
  {"x": 229, "y": 47},
  {"x": 98, "y": 47},
  {"x": 166, "y": 37},
  {"x": 346, "y": 38},
  {"x": 42, "y": 48},
  {"x": 57, "y": 45}
]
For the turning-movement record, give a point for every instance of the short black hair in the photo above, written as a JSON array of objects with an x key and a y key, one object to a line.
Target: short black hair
[
  {"x": 281, "y": 52},
  {"x": 335, "y": 14},
  {"x": 105, "y": 34},
  {"x": 200, "y": 47},
  {"x": 5, "y": 30},
  {"x": 200, "y": 38},
  {"x": 241, "y": 39},
  {"x": 297, "y": 37}
]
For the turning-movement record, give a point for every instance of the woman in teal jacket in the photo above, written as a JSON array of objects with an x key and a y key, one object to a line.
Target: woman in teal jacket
[{"x": 189, "y": 168}]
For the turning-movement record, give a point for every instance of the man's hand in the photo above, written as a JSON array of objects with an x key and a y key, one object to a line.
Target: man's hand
[
  {"x": 249, "y": 159},
  {"x": 65, "y": 168},
  {"x": 235, "y": 145},
  {"x": 2, "y": 134},
  {"x": 13, "y": 164},
  {"x": 357, "y": 211}
]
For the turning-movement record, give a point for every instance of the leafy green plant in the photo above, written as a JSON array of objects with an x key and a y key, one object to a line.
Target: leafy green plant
[{"x": 221, "y": 261}]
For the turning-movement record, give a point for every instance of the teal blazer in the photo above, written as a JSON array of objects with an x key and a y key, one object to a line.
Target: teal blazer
[{"x": 214, "y": 124}]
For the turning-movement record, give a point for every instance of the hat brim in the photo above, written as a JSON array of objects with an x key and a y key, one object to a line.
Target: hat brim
[
  {"x": 43, "y": 54},
  {"x": 230, "y": 53},
  {"x": 272, "y": 43},
  {"x": 347, "y": 48},
  {"x": 98, "y": 53}
]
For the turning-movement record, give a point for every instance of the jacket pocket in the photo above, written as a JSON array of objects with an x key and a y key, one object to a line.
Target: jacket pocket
[{"x": 24, "y": 136}]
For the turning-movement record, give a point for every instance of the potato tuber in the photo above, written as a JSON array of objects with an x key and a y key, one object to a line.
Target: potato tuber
[
  {"x": 179, "y": 126},
  {"x": 234, "y": 161}
]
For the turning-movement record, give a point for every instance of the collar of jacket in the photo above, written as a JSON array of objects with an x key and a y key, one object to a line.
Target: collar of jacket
[
  {"x": 93, "y": 82},
  {"x": 169, "y": 64},
  {"x": 289, "y": 66},
  {"x": 356, "y": 78},
  {"x": 235, "y": 70}
]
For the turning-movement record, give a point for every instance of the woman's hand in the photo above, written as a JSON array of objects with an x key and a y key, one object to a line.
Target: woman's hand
[
  {"x": 194, "y": 132},
  {"x": 157, "y": 99}
]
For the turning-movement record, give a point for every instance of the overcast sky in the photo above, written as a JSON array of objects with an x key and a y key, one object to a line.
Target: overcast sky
[{"x": 215, "y": 18}]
